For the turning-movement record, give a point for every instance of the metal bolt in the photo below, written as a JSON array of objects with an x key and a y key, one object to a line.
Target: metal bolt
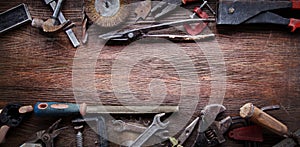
[
  {"x": 130, "y": 35},
  {"x": 231, "y": 10},
  {"x": 79, "y": 137}
]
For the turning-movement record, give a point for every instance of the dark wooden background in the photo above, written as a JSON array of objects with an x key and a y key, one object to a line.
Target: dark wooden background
[{"x": 262, "y": 67}]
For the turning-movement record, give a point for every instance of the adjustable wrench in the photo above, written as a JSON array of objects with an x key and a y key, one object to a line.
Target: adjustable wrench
[
  {"x": 151, "y": 130},
  {"x": 121, "y": 126}
]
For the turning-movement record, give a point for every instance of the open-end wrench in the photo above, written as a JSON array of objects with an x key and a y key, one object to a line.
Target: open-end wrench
[
  {"x": 121, "y": 126},
  {"x": 151, "y": 130}
]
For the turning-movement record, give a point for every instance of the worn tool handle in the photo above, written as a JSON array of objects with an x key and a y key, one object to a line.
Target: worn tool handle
[
  {"x": 263, "y": 119},
  {"x": 187, "y": 1},
  {"x": 295, "y": 4},
  {"x": 294, "y": 24},
  {"x": 58, "y": 109},
  {"x": 3, "y": 131}
]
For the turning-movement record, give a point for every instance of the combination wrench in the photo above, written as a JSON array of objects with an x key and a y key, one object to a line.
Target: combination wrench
[
  {"x": 121, "y": 126},
  {"x": 151, "y": 130}
]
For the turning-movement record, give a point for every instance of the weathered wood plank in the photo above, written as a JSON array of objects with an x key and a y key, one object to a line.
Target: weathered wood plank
[{"x": 262, "y": 66}]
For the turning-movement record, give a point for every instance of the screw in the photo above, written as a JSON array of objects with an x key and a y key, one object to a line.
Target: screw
[
  {"x": 79, "y": 137},
  {"x": 231, "y": 10}
]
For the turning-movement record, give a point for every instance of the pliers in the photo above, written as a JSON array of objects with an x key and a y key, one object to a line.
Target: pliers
[
  {"x": 45, "y": 136},
  {"x": 256, "y": 12}
]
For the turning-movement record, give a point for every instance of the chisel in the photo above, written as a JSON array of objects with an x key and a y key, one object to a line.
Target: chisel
[{"x": 66, "y": 109}]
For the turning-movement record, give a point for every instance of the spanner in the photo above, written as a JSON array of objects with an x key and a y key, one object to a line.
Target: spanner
[
  {"x": 151, "y": 130},
  {"x": 121, "y": 126}
]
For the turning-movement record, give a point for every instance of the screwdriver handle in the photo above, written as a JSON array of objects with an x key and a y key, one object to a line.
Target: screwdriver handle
[
  {"x": 58, "y": 109},
  {"x": 294, "y": 24},
  {"x": 295, "y": 4},
  {"x": 263, "y": 119},
  {"x": 187, "y": 1}
]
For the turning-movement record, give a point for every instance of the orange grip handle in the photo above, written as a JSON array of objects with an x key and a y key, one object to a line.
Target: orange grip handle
[
  {"x": 294, "y": 24},
  {"x": 187, "y": 1},
  {"x": 295, "y": 4}
]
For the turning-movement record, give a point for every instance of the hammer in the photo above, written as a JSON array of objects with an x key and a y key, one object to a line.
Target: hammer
[{"x": 49, "y": 24}]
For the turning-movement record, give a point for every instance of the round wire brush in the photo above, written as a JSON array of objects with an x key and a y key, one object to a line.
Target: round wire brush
[{"x": 107, "y": 13}]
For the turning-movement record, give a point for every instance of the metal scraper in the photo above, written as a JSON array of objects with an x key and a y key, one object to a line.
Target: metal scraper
[{"x": 14, "y": 17}]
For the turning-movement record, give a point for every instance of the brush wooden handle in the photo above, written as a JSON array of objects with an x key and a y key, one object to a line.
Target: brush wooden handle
[{"x": 263, "y": 119}]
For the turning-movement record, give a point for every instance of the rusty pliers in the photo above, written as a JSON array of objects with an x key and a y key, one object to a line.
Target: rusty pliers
[{"x": 45, "y": 136}]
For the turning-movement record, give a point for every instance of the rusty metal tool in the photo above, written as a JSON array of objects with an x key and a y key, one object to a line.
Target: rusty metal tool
[
  {"x": 66, "y": 109},
  {"x": 121, "y": 126},
  {"x": 46, "y": 136},
  {"x": 100, "y": 127},
  {"x": 150, "y": 131},
  {"x": 62, "y": 19},
  {"x": 134, "y": 34},
  {"x": 166, "y": 6},
  {"x": 143, "y": 9},
  {"x": 210, "y": 132},
  {"x": 265, "y": 120},
  {"x": 14, "y": 17},
  {"x": 11, "y": 116},
  {"x": 50, "y": 24},
  {"x": 256, "y": 12},
  {"x": 107, "y": 13}
]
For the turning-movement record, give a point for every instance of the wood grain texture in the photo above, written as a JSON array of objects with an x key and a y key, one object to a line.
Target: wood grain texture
[{"x": 262, "y": 66}]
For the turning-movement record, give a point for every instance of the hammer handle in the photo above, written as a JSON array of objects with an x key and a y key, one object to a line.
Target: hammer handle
[{"x": 263, "y": 119}]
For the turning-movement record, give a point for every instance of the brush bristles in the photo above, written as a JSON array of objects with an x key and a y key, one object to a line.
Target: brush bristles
[{"x": 107, "y": 21}]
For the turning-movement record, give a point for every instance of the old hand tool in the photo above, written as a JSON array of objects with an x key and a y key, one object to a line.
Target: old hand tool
[
  {"x": 107, "y": 13},
  {"x": 100, "y": 128},
  {"x": 151, "y": 130},
  {"x": 247, "y": 133},
  {"x": 199, "y": 26},
  {"x": 14, "y": 17},
  {"x": 166, "y": 6},
  {"x": 142, "y": 10},
  {"x": 45, "y": 136},
  {"x": 184, "y": 135},
  {"x": 62, "y": 20},
  {"x": 50, "y": 24},
  {"x": 265, "y": 120},
  {"x": 65, "y": 109},
  {"x": 121, "y": 126},
  {"x": 253, "y": 12},
  {"x": 210, "y": 133},
  {"x": 11, "y": 116},
  {"x": 134, "y": 34}
]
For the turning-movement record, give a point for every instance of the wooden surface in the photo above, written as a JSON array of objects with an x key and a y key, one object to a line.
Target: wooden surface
[{"x": 262, "y": 66}]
